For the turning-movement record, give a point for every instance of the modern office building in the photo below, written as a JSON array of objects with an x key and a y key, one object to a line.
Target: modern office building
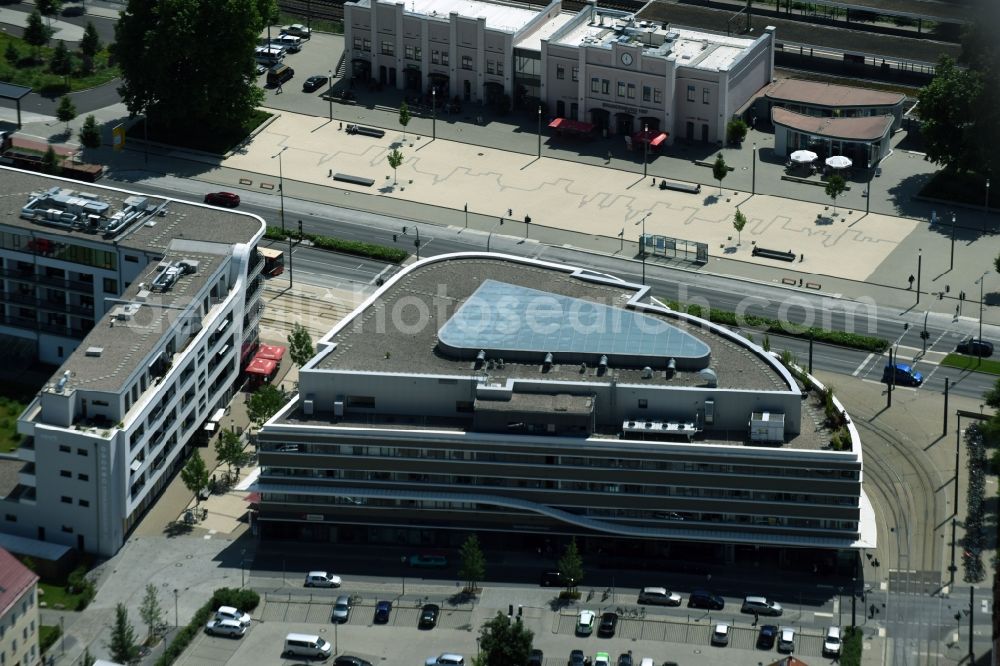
[
  {"x": 19, "y": 624},
  {"x": 522, "y": 400},
  {"x": 171, "y": 292},
  {"x": 600, "y": 67}
]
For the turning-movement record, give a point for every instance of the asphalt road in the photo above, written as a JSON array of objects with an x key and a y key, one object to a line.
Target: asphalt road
[{"x": 797, "y": 307}]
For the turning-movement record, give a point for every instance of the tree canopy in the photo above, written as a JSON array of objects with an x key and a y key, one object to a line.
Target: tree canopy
[
  {"x": 264, "y": 403},
  {"x": 835, "y": 186},
  {"x": 194, "y": 474},
  {"x": 504, "y": 642},
  {"x": 229, "y": 449},
  {"x": 473, "y": 567},
  {"x": 188, "y": 65},
  {"x": 571, "y": 566},
  {"x": 947, "y": 111},
  {"x": 719, "y": 170},
  {"x": 123, "y": 646},
  {"x": 300, "y": 345}
]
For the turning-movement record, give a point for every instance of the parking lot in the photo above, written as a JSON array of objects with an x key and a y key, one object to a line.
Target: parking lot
[
  {"x": 661, "y": 637},
  {"x": 319, "y": 56}
]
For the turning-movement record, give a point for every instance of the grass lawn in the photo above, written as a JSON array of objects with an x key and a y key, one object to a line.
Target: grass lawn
[
  {"x": 972, "y": 363},
  {"x": 47, "y": 636},
  {"x": 32, "y": 70},
  {"x": 56, "y": 595},
  {"x": 10, "y": 409},
  {"x": 218, "y": 143}
]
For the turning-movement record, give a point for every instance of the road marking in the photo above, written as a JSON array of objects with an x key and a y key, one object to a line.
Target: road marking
[
  {"x": 863, "y": 364},
  {"x": 817, "y": 614}
]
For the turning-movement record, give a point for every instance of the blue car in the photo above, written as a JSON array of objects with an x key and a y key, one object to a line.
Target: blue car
[
  {"x": 905, "y": 375},
  {"x": 382, "y": 610}
]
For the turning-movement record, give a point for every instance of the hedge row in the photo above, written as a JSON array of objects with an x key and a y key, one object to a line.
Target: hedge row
[
  {"x": 356, "y": 248},
  {"x": 245, "y": 600},
  {"x": 850, "y": 653},
  {"x": 768, "y": 325},
  {"x": 47, "y": 637}
]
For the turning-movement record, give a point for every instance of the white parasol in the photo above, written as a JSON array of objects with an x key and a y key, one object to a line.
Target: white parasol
[
  {"x": 804, "y": 156},
  {"x": 838, "y": 162}
]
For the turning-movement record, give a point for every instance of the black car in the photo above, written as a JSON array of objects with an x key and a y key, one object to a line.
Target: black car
[
  {"x": 535, "y": 658},
  {"x": 576, "y": 658},
  {"x": 429, "y": 616},
  {"x": 625, "y": 659},
  {"x": 975, "y": 347},
  {"x": 551, "y": 579},
  {"x": 382, "y": 610},
  {"x": 314, "y": 83},
  {"x": 609, "y": 622},
  {"x": 348, "y": 660},
  {"x": 707, "y": 600},
  {"x": 765, "y": 639}
]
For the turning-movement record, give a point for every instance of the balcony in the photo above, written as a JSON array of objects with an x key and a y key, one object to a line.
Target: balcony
[
  {"x": 26, "y": 475},
  {"x": 26, "y": 450},
  {"x": 253, "y": 289},
  {"x": 256, "y": 265}
]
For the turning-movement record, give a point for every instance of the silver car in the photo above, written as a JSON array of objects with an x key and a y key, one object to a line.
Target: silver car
[
  {"x": 231, "y": 628},
  {"x": 341, "y": 609}
]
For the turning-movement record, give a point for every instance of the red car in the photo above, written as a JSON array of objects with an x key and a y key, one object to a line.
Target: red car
[{"x": 227, "y": 199}]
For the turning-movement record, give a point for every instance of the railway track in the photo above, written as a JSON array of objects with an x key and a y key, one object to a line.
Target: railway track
[{"x": 333, "y": 10}]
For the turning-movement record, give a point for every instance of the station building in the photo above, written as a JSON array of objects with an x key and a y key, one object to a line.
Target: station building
[
  {"x": 150, "y": 306},
  {"x": 524, "y": 400},
  {"x": 601, "y": 67}
]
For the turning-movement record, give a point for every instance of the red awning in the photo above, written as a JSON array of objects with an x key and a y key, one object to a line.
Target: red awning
[
  {"x": 658, "y": 139},
  {"x": 567, "y": 125},
  {"x": 252, "y": 498},
  {"x": 652, "y": 137},
  {"x": 261, "y": 366},
  {"x": 272, "y": 352}
]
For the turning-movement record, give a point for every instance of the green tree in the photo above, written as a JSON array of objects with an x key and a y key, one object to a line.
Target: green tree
[
  {"x": 48, "y": 8},
  {"x": 504, "y": 642},
  {"x": 87, "y": 659},
  {"x": 404, "y": 117},
  {"x": 719, "y": 171},
  {"x": 195, "y": 476},
  {"x": 996, "y": 263},
  {"x": 948, "y": 117},
  {"x": 61, "y": 62},
  {"x": 150, "y": 610},
  {"x": 571, "y": 566},
  {"x": 154, "y": 41},
  {"x": 35, "y": 32},
  {"x": 739, "y": 221},
  {"x": 229, "y": 450},
  {"x": 736, "y": 130},
  {"x": 50, "y": 161},
  {"x": 300, "y": 345},
  {"x": 11, "y": 54},
  {"x": 473, "y": 567},
  {"x": 66, "y": 111},
  {"x": 835, "y": 186},
  {"x": 90, "y": 44},
  {"x": 992, "y": 397},
  {"x": 264, "y": 403},
  {"x": 395, "y": 159},
  {"x": 90, "y": 133},
  {"x": 123, "y": 646}
]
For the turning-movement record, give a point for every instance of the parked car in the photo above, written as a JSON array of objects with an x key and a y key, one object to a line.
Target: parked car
[
  {"x": 231, "y": 628},
  {"x": 602, "y": 659},
  {"x": 536, "y": 658},
  {"x": 786, "y": 639},
  {"x": 659, "y": 596},
  {"x": 382, "y": 611},
  {"x": 446, "y": 659},
  {"x": 705, "y": 599},
  {"x": 348, "y": 660},
  {"x": 297, "y": 29},
  {"x": 761, "y": 606},
  {"x": 341, "y": 609},
  {"x": 625, "y": 659},
  {"x": 553, "y": 579},
  {"x": 720, "y": 636},
  {"x": 425, "y": 561},
  {"x": 429, "y": 616},
  {"x": 905, "y": 375},
  {"x": 609, "y": 622},
  {"x": 647, "y": 661},
  {"x": 975, "y": 347},
  {"x": 576, "y": 658},
  {"x": 226, "y": 199},
  {"x": 314, "y": 82},
  {"x": 230, "y": 613},
  {"x": 322, "y": 579},
  {"x": 291, "y": 43},
  {"x": 832, "y": 642},
  {"x": 765, "y": 639},
  {"x": 585, "y": 623}
]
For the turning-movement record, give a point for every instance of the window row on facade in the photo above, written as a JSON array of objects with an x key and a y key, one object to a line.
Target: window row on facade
[
  {"x": 625, "y": 90},
  {"x": 58, "y": 249}
]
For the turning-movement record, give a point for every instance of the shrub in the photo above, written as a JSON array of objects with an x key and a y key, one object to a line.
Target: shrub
[
  {"x": 850, "y": 654},
  {"x": 47, "y": 637},
  {"x": 355, "y": 248},
  {"x": 245, "y": 600},
  {"x": 736, "y": 130}
]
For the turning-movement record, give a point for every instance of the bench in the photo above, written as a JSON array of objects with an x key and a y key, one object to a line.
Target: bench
[
  {"x": 356, "y": 180},
  {"x": 690, "y": 188},
  {"x": 773, "y": 254},
  {"x": 365, "y": 131}
]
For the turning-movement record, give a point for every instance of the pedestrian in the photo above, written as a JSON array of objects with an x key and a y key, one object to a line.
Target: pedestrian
[
  {"x": 279, "y": 87},
  {"x": 956, "y": 310},
  {"x": 609, "y": 156},
  {"x": 756, "y": 618}
]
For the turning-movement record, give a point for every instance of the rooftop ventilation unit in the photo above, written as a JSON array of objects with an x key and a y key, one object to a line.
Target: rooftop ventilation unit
[
  {"x": 647, "y": 373},
  {"x": 61, "y": 386},
  {"x": 711, "y": 379},
  {"x": 168, "y": 277},
  {"x": 547, "y": 363},
  {"x": 95, "y": 351},
  {"x": 126, "y": 312},
  {"x": 671, "y": 368},
  {"x": 602, "y": 365},
  {"x": 480, "y": 358}
]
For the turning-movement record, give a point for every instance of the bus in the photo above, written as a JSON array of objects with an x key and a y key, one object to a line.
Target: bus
[{"x": 274, "y": 261}]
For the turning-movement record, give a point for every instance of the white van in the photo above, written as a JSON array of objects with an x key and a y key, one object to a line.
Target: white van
[
  {"x": 290, "y": 42},
  {"x": 309, "y": 646},
  {"x": 269, "y": 55}
]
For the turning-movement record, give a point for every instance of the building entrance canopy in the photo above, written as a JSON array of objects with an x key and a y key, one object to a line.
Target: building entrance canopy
[
  {"x": 652, "y": 137},
  {"x": 574, "y": 126}
]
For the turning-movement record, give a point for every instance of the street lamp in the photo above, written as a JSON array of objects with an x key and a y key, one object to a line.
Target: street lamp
[
  {"x": 539, "y": 131},
  {"x": 840, "y": 606},
  {"x": 176, "y": 620},
  {"x": 434, "y": 116},
  {"x": 753, "y": 181},
  {"x": 952, "y": 264},
  {"x": 243, "y": 559},
  {"x": 920, "y": 262},
  {"x": 986, "y": 206},
  {"x": 642, "y": 245},
  {"x": 645, "y": 150},
  {"x": 402, "y": 560},
  {"x": 416, "y": 243},
  {"x": 329, "y": 93},
  {"x": 981, "y": 281},
  {"x": 281, "y": 185}
]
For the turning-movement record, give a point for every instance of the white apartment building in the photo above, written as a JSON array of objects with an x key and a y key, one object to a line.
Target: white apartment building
[
  {"x": 19, "y": 621},
  {"x": 597, "y": 66},
  {"x": 120, "y": 415}
]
